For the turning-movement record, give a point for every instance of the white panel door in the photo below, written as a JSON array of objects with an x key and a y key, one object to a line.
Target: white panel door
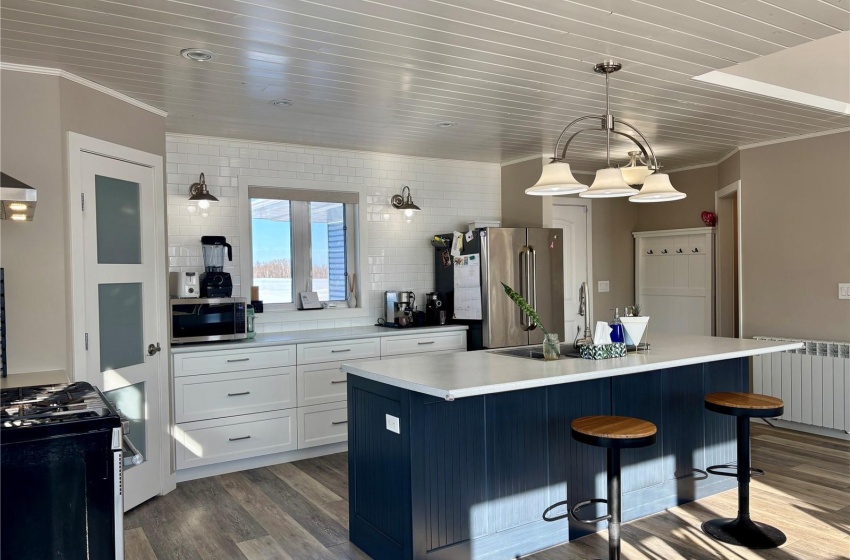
[
  {"x": 122, "y": 307},
  {"x": 573, "y": 220}
]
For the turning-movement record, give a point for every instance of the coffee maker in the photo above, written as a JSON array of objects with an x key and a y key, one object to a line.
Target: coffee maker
[
  {"x": 215, "y": 283},
  {"x": 399, "y": 308},
  {"x": 433, "y": 303}
]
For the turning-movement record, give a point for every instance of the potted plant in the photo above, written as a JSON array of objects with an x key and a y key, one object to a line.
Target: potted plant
[
  {"x": 634, "y": 324},
  {"x": 551, "y": 344}
]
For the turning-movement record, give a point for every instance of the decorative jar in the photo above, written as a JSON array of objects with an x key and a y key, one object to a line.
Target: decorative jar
[{"x": 551, "y": 347}]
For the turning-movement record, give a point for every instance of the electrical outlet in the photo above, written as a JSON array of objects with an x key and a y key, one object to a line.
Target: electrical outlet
[
  {"x": 843, "y": 291},
  {"x": 392, "y": 424},
  {"x": 603, "y": 286}
]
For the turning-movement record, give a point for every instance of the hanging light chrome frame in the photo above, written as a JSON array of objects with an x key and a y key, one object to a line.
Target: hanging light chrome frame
[{"x": 605, "y": 185}]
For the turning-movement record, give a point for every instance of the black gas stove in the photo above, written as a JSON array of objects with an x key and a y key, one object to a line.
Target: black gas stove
[
  {"x": 53, "y": 410},
  {"x": 60, "y": 473}
]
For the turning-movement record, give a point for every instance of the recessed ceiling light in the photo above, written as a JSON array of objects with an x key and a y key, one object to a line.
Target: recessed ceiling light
[
  {"x": 445, "y": 124},
  {"x": 198, "y": 55},
  {"x": 281, "y": 102}
]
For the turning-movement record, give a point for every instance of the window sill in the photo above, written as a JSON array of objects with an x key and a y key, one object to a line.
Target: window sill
[{"x": 297, "y": 316}]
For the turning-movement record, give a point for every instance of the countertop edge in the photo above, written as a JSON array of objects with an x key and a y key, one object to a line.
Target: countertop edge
[
  {"x": 449, "y": 395},
  {"x": 306, "y": 337}
]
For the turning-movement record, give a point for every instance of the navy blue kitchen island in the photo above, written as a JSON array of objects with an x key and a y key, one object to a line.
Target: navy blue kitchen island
[{"x": 481, "y": 445}]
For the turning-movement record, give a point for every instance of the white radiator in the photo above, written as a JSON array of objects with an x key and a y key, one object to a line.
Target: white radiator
[{"x": 813, "y": 381}]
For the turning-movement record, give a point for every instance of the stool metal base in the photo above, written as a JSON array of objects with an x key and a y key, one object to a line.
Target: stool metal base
[{"x": 744, "y": 532}]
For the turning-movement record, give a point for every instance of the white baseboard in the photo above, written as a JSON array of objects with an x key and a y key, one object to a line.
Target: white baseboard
[
  {"x": 262, "y": 461},
  {"x": 817, "y": 430}
]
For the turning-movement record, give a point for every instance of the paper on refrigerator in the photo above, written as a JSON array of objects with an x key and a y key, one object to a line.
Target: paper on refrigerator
[{"x": 467, "y": 287}]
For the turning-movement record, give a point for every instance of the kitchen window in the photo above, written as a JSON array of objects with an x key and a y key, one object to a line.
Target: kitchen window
[{"x": 302, "y": 240}]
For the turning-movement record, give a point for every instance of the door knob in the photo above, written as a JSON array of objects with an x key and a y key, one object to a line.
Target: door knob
[{"x": 153, "y": 349}]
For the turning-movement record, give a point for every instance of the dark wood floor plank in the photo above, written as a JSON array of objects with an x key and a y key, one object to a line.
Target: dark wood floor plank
[
  {"x": 228, "y": 513},
  {"x": 305, "y": 484},
  {"x": 295, "y": 540},
  {"x": 166, "y": 529},
  {"x": 321, "y": 471},
  {"x": 136, "y": 545},
  {"x": 325, "y": 530},
  {"x": 263, "y": 548},
  {"x": 213, "y": 540}
]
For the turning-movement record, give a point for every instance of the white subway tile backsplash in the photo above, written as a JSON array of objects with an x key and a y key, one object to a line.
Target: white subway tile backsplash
[{"x": 451, "y": 194}]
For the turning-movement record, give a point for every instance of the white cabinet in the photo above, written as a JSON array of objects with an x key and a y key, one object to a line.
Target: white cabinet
[
  {"x": 204, "y": 397},
  {"x": 241, "y": 403},
  {"x": 674, "y": 279}
]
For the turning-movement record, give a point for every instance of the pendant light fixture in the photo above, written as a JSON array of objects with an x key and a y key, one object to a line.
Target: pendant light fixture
[{"x": 610, "y": 182}]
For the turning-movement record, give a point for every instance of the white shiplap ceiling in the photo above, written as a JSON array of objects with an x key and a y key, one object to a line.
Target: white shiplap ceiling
[{"x": 377, "y": 75}]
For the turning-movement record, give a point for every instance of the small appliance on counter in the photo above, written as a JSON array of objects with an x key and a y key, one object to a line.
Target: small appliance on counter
[
  {"x": 184, "y": 284},
  {"x": 208, "y": 319},
  {"x": 61, "y": 489},
  {"x": 398, "y": 308},
  {"x": 433, "y": 303},
  {"x": 215, "y": 283}
]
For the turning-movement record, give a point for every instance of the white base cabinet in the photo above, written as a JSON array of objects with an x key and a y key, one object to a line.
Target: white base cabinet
[{"x": 234, "y": 406}]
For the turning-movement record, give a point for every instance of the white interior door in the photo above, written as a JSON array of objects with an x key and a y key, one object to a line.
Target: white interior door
[
  {"x": 122, "y": 311},
  {"x": 573, "y": 220}
]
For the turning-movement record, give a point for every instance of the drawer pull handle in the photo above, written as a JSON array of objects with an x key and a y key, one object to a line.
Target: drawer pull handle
[
  {"x": 238, "y": 360},
  {"x": 238, "y": 438},
  {"x": 238, "y": 394},
  {"x": 338, "y": 351},
  {"x": 340, "y": 422},
  {"x": 425, "y": 343},
  {"x": 335, "y": 381}
]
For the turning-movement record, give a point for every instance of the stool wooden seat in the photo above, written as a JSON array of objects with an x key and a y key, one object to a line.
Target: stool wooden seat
[
  {"x": 614, "y": 433},
  {"x": 745, "y": 404},
  {"x": 743, "y": 531}
]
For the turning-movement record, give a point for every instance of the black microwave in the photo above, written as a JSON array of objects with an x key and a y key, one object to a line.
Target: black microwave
[{"x": 208, "y": 319}]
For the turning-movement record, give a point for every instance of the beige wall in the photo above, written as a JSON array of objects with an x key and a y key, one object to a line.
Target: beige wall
[
  {"x": 699, "y": 184},
  {"x": 33, "y": 253},
  {"x": 796, "y": 238},
  {"x": 518, "y": 208},
  {"x": 36, "y": 113},
  {"x": 729, "y": 170},
  {"x": 614, "y": 220}
]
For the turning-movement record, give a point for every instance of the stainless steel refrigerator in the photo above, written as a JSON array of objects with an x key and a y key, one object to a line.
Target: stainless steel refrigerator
[{"x": 529, "y": 260}]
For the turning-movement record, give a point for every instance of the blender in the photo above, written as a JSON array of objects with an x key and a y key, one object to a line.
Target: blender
[{"x": 215, "y": 283}]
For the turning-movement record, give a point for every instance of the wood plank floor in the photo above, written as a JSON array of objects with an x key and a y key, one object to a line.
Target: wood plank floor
[{"x": 300, "y": 511}]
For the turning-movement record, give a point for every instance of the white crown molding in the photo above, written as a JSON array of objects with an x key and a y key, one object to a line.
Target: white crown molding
[
  {"x": 690, "y": 167},
  {"x": 522, "y": 159},
  {"x": 83, "y": 82},
  {"x": 727, "y": 156}
]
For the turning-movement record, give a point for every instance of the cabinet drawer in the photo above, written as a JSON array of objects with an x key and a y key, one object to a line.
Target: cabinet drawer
[
  {"x": 419, "y": 343},
  {"x": 317, "y": 352},
  {"x": 322, "y": 383},
  {"x": 218, "y": 361},
  {"x": 240, "y": 437},
  {"x": 204, "y": 397},
  {"x": 322, "y": 424}
]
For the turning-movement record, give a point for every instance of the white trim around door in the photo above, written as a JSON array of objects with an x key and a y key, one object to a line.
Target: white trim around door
[
  {"x": 78, "y": 146},
  {"x": 729, "y": 191}
]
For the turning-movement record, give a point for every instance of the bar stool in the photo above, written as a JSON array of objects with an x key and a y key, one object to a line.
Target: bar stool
[
  {"x": 614, "y": 433},
  {"x": 743, "y": 531}
]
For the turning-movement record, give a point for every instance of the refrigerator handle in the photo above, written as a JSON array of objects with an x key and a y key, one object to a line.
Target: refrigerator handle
[
  {"x": 522, "y": 285},
  {"x": 533, "y": 282}
]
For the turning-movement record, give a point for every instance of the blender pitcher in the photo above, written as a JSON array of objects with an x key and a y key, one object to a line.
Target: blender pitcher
[{"x": 213, "y": 249}]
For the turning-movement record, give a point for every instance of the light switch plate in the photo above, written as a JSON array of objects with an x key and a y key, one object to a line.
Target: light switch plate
[
  {"x": 392, "y": 424},
  {"x": 843, "y": 291},
  {"x": 603, "y": 286}
]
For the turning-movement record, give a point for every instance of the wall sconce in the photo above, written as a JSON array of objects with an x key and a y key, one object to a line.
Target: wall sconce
[
  {"x": 400, "y": 202},
  {"x": 198, "y": 193}
]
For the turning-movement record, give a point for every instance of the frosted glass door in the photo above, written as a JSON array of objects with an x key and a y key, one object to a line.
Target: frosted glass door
[{"x": 121, "y": 310}]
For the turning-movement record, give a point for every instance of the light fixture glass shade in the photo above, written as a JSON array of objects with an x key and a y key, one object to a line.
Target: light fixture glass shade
[
  {"x": 556, "y": 179},
  {"x": 657, "y": 188},
  {"x": 636, "y": 175},
  {"x": 609, "y": 183}
]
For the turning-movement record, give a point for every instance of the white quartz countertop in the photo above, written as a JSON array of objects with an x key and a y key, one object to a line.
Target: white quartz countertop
[
  {"x": 467, "y": 374},
  {"x": 303, "y": 337}
]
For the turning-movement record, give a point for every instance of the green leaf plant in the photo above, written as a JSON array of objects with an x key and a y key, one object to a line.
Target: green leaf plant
[{"x": 526, "y": 308}]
